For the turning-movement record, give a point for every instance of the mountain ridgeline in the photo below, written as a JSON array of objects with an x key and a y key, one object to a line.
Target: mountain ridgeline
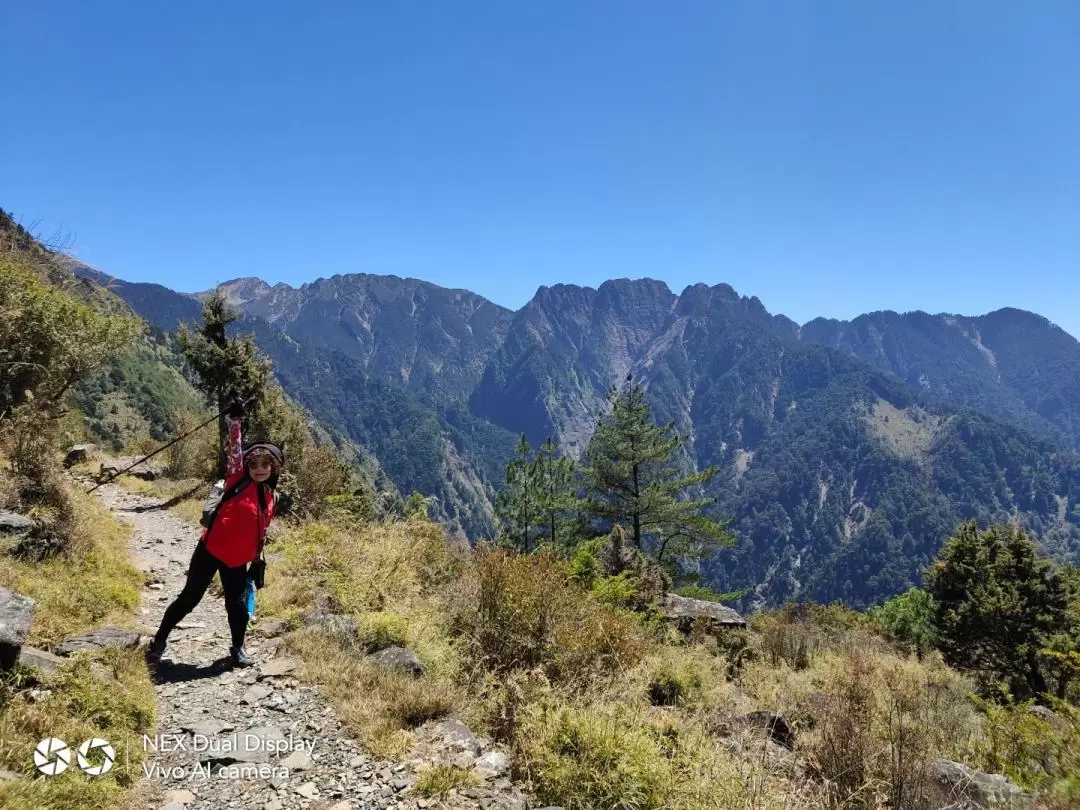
[{"x": 848, "y": 450}]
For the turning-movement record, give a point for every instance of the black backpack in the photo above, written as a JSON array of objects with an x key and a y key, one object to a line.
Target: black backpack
[{"x": 218, "y": 495}]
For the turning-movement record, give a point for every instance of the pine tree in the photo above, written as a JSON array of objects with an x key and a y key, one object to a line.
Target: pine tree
[
  {"x": 998, "y": 604},
  {"x": 517, "y": 504},
  {"x": 226, "y": 369},
  {"x": 554, "y": 479},
  {"x": 631, "y": 478}
]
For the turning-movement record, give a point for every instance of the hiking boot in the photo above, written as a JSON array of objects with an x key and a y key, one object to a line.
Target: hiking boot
[
  {"x": 240, "y": 658},
  {"x": 154, "y": 651}
]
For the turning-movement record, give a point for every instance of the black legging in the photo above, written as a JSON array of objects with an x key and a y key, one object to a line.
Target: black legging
[{"x": 200, "y": 573}]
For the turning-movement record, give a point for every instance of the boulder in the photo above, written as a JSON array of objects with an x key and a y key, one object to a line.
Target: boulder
[
  {"x": 14, "y": 523},
  {"x": 684, "y": 612},
  {"x": 16, "y": 613},
  {"x": 146, "y": 471},
  {"x": 777, "y": 727},
  {"x": 99, "y": 639},
  {"x": 453, "y": 734},
  {"x": 79, "y": 454},
  {"x": 40, "y": 659},
  {"x": 397, "y": 658},
  {"x": 959, "y": 787}
]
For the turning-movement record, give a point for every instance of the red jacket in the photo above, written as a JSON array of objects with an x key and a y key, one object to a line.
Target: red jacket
[{"x": 240, "y": 526}]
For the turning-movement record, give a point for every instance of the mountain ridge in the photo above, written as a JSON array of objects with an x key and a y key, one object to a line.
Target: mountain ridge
[{"x": 832, "y": 437}]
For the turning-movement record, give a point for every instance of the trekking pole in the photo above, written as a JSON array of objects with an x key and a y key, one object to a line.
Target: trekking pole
[{"x": 179, "y": 438}]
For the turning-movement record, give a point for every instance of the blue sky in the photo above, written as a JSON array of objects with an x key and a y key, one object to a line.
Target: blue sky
[{"x": 831, "y": 158}]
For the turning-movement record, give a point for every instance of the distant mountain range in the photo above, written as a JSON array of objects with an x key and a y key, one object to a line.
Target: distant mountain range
[{"x": 849, "y": 450}]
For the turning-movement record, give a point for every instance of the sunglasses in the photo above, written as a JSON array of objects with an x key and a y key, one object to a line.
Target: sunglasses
[{"x": 260, "y": 463}]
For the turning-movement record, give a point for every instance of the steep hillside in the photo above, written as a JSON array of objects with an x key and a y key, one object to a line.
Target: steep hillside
[
  {"x": 845, "y": 461},
  {"x": 1010, "y": 363}
]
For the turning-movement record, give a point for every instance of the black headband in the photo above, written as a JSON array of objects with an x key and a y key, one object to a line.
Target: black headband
[{"x": 275, "y": 452}]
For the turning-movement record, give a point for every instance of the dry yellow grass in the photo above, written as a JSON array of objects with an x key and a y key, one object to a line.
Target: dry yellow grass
[
  {"x": 108, "y": 584},
  {"x": 91, "y": 583}
]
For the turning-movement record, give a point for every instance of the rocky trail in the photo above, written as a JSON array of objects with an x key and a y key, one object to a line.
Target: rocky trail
[{"x": 257, "y": 737}]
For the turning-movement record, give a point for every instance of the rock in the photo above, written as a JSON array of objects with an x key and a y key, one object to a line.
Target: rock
[
  {"x": 297, "y": 761},
  {"x": 492, "y": 765},
  {"x": 775, "y": 725},
  {"x": 308, "y": 790},
  {"x": 397, "y": 658},
  {"x": 683, "y": 612},
  {"x": 271, "y": 628},
  {"x": 453, "y": 733},
  {"x": 252, "y": 746},
  {"x": 342, "y": 806},
  {"x": 277, "y": 668},
  {"x": 10, "y": 776},
  {"x": 963, "y": 788},
  {"x": 40, "y": 659},
  {"x": 208, "y": 728},
  {"x": 172, "y": 806},
  {"x": 146, "y": 471},
  {"x": 343, "y": 628},
  {"x": 1048, "y": 716},
  {"x": 255, "y": 694},
  {"x": 14, "y": 523},
  {"x": 16, "y": 613},
  {"x": 463, "y": 761},
  {"x": 79, "y": 454},
  {"x": 99, "y": 639},
  {"x": 180, "y": 796}
]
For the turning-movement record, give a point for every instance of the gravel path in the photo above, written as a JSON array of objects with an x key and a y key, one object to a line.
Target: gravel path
[{"x": 258, "y": 738}]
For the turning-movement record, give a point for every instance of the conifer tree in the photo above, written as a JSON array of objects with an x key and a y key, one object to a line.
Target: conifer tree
[
  {"x": 630, "y": 477},
  {"x": 517, "y": 504},
  {"x": 226, "y": 369},
  {"x": 554, "y": 479},
  {"x": 998, "y": 604}
]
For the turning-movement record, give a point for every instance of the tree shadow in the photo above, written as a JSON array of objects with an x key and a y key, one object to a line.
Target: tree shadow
[{"x": 157, "y": 507}]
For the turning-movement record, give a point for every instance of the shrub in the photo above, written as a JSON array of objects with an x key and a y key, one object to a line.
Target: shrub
[
  {"x": 841, "y": 753},
  {"x": 581, "y": 759},
  {"x": 517, "y": 612},
  {"x": 908, "y": 619},
  {"x": 382, "y": 629},
  {"x": 1037, "y": 750}
]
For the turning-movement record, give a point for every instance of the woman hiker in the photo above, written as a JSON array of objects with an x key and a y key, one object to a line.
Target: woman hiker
[{"x": 235, "y": 539}]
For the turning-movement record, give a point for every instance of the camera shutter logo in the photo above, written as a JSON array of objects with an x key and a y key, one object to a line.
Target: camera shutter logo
[
  {"x": 108, "y": 755},
  {"x": 52, "y": 756}
]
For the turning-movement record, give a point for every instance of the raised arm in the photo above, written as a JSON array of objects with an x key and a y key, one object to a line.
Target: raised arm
[{"x": 234, "y": 452}]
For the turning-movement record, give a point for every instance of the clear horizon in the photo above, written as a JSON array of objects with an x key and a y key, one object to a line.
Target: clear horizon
[{"x": 831, "y": 159}]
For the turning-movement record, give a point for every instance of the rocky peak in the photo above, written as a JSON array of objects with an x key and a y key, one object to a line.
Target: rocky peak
[{"x": 241, "y": 291}]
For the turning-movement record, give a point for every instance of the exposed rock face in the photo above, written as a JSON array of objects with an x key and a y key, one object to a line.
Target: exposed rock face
[
  {"x": 16, "y": 613},
  {"x": 959, "y": 787}
]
